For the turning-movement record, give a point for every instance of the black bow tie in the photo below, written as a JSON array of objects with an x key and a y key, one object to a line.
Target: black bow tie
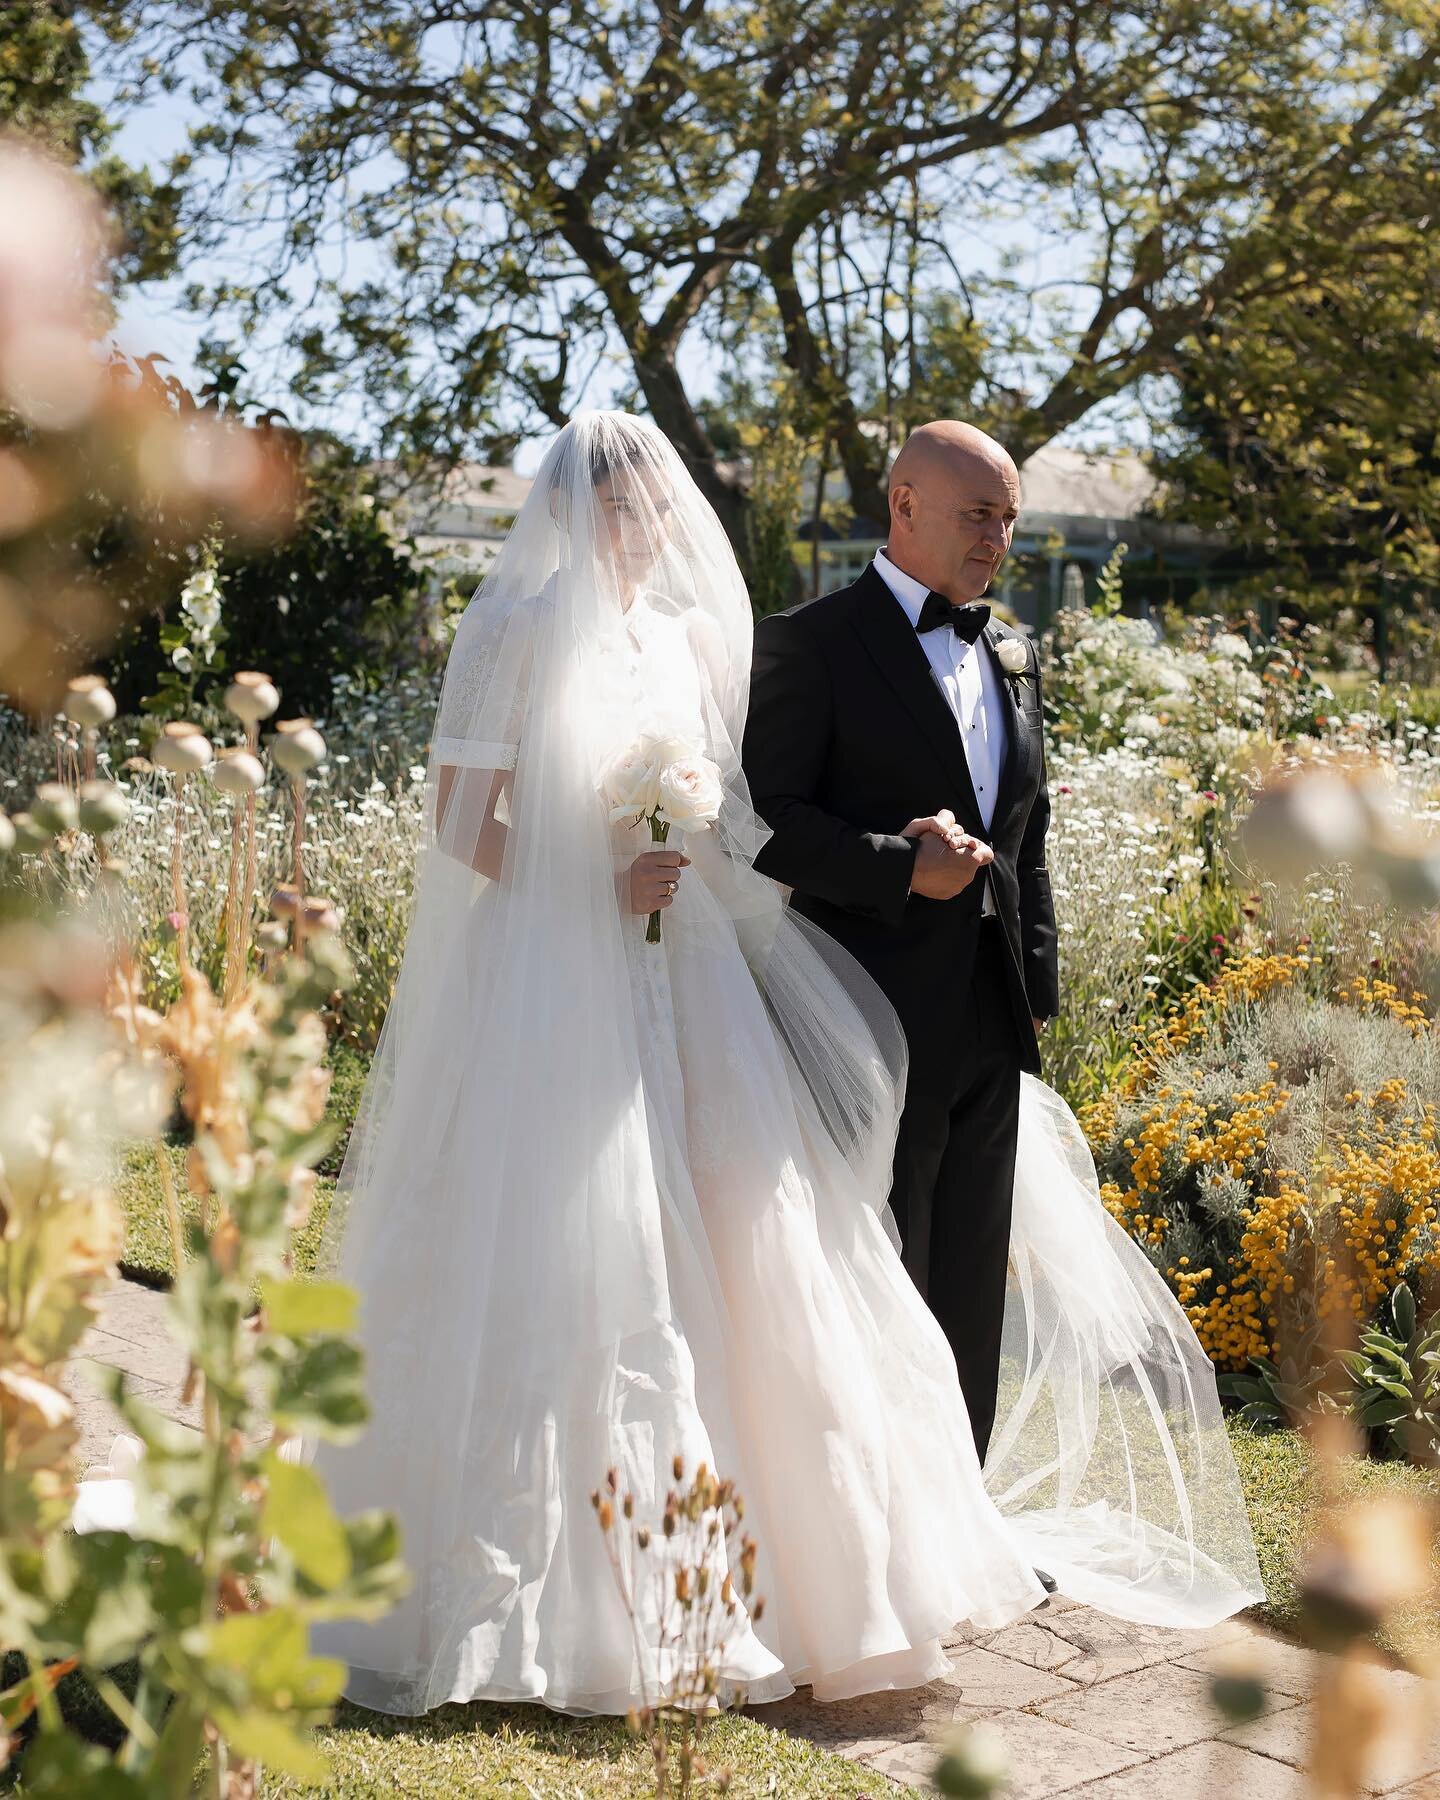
[{"x": 965, "y": 621}]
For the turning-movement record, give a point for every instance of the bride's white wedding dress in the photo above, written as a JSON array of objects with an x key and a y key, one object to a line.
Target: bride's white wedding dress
[{"x": 610, "y": 1201}]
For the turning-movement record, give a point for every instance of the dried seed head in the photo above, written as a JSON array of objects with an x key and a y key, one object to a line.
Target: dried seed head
[
  {"x": 252, "y": 696},
  {"x": 319, "y": 914},
  {"x": 182, "y": 748},
  {"x": 297, "y": 747},
  {"x": 53, "y": 808},
  {"x": 628, "y": 1506},
  {"x": 103, "y": 808},
  {"x": 757, "y": 1609},
  {"x": 88, "y": 702},
  {"x": 642, "y": 1537},
  {"x": 612, "y": 1481},
  {"x": 678, "y": 1467},
  {"x": 682, "y": 1586},
  {"x": 30, "y": 836},
  {"x": 669, "y": 1522},
  {"x": 606, "y": 1515},
  {"x": 237, "y": 772}
]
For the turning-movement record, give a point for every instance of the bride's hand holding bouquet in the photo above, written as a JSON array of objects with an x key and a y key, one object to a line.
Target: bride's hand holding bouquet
[{"x": 670, "y": 782}]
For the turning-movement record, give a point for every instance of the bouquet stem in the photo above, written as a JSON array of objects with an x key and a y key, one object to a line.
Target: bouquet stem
[{"x": 659, "y": 831}]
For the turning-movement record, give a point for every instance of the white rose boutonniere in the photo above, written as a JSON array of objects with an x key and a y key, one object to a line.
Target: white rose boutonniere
[{"x": 1014, "y": 661}]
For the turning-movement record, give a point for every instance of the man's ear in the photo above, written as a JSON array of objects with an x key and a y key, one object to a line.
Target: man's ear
[{"x": 902, "y": 505}]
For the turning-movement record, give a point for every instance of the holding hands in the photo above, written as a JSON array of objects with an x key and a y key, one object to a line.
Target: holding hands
[{"x": 947, "y": 859}]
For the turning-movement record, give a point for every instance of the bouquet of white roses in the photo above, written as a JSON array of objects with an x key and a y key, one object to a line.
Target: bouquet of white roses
[{"x": 667, "y": 780}]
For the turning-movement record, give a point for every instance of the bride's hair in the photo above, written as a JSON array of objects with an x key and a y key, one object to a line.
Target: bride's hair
[{"x": 612, "y": 443}]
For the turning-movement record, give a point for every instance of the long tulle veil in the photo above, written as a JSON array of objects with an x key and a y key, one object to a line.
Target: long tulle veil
[{"x": 498, "y": 1206}]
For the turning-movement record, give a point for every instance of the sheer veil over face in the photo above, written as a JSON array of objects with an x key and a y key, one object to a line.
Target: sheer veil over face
[{"x": 615, "y": 609}]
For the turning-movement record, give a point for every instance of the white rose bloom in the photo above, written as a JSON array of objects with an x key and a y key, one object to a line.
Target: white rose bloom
[
  {"x": 630, "y": 780},
  {"x": 691, "y": 794},
  {"x": 1013, "y": 657}
]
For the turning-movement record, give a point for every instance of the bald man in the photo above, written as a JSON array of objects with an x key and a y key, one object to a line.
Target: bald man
[{"x": 895, "y": 751}]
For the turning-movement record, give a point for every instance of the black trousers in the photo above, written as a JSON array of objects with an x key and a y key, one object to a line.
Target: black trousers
[{"x": 954, "y": 1179}]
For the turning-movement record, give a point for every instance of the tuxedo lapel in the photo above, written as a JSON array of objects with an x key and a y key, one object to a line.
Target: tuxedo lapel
[
  {"x": 1019, "y": 750},
  {"x": 894, "y": 647}
]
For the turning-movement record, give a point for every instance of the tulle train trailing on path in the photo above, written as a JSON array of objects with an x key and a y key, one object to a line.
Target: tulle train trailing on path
[
  {"x": 611, "y": 1201},
  {"x": 1110, "y": 1459}
]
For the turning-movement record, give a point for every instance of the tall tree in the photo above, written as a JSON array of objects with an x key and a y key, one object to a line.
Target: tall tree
[
  {"x": 528, "y": 189},
  {"x": 1307, "y": 426}
]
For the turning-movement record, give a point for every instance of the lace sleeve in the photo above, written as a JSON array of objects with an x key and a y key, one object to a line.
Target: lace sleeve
[{"x": 487, "y": 681}]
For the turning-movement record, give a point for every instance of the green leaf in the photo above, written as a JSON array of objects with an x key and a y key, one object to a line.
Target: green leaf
[
  {"x": 1402, "y": 1309},
  {"x": 378, "y": 1577},
  {"x": 297, "y": 1511},
  {"x": 318, "y": 1390},
  {"x": 61, "y": 1767},
  {"x": 295, "y": 1308},
  {"x": 270, "y": 1739}
]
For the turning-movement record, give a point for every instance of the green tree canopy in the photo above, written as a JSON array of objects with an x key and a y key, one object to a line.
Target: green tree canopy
[
  {"x": 464, "y": 208},
  {"x": 1309, "y": 425}
]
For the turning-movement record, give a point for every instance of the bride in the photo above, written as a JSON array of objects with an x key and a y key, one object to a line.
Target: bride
[{"x": 612, "y": 1200}]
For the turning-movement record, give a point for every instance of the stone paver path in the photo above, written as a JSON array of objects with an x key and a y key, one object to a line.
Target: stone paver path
[{"x": 1086, "y": 1706}]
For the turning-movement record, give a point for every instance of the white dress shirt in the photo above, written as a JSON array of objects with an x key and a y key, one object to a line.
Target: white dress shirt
[{"x": 971, "y": 683}]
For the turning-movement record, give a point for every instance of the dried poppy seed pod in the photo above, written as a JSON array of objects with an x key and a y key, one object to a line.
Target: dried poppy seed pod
[
  {"x": 88, "y": 702},
  {"x": 30, "y": 836},
  {"x": 252, "y": 696},
  {"x": 103, "y": 808},
  {"x": 238, "y": 773},
  {"x": 319, "y": 914},
  {"x": 297, "y": 747},
  {"x": 272, "y": 935},
  {"x": 182, "y": 748},
  {"x": 53, "y": 808}
]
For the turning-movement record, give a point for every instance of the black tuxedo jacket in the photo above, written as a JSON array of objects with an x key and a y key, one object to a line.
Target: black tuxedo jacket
[{"x": 850, "y": 737}]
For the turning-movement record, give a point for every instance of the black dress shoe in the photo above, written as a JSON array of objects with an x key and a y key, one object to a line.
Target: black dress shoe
[{"x": 1047, "y": 1581}]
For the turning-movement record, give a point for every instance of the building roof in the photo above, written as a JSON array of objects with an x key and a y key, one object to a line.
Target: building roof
[{"x": 1079, "y": 484}]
